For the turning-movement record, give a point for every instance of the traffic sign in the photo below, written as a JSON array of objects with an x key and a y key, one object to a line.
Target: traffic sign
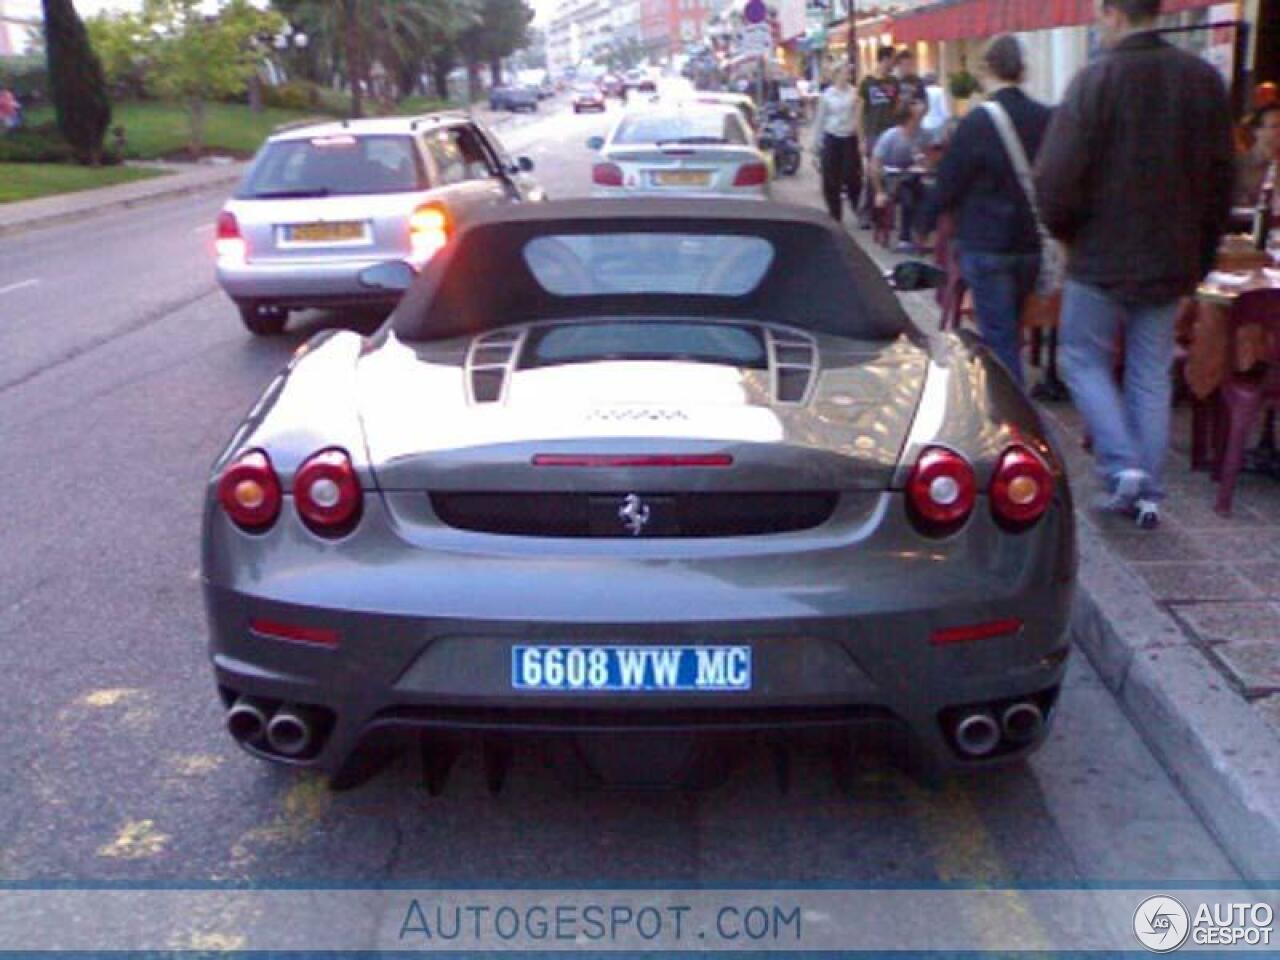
[{"x": 755, "y": 11}]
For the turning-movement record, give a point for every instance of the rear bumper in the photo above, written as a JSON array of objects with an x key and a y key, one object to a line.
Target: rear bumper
[
  {"x": 301, "y": 283},
  {"x": 840, "y": 637}
]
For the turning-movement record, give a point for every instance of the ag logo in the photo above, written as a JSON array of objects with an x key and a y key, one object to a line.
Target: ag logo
[{"x": 1161, "y": 924}]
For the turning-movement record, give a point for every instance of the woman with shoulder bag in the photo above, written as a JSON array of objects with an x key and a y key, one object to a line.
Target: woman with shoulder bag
[{"x": 984, "y": 180}]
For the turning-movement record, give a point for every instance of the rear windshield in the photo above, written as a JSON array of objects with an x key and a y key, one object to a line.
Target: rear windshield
[
  {"x": 697, "y": 342},
  {"x": 342, "y": 164},
  {"x": 692, "y": 128},
  {"x": 648, "y": 263}
]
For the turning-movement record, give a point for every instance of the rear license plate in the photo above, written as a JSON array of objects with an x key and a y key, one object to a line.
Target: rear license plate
[
  {"x": 634, "y": 669},
  {"x": 336, "y": 232},
  {"x": 682, "y": 178}
]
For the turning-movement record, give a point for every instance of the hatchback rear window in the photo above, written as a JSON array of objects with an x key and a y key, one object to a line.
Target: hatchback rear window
[
  {"x": 342, "y": 164},
  {"x": 691, "y": 128},
  {"x": 648, "y": 263}
]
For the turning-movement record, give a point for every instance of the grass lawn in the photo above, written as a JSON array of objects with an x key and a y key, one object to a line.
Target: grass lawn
[
  {"x": 25, "y": 181},
  {"x": 155, "y": 129}
]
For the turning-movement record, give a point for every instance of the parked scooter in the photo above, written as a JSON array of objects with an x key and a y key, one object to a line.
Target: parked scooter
[{"x": 779, "y": 133}]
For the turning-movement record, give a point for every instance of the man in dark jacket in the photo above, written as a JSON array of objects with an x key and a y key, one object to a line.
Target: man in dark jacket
[
  {"x": 995, "y": 228},
  {"x": 1135, "y": 177}
]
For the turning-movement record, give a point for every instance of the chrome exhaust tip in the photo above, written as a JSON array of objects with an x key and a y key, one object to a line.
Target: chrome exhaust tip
[
  {"x": 1022, "y": 722},
  {"x": 977, "y": 734},
  {"x": 290, "y": 731},
  {"x": 247, "y": 720}
]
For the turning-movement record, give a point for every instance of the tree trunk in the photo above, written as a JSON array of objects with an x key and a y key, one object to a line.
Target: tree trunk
[
  {"x": 255, "y": 92},
  {"x": 495, "y": 71},
  {"x": 473, "y": 82},
  {"x": 440, "y": 77},
  {"x": 195, "y": 116},
  {"x": 354, "y": 42}
]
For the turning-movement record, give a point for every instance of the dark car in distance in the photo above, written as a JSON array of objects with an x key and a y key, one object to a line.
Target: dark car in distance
[{"x": 514, "y": 98}]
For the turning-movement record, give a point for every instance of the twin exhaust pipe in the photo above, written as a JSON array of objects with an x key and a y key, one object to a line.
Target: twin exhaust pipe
[
  {"x": 288, "y": 731},
  {"x": 978, "y": 733}
]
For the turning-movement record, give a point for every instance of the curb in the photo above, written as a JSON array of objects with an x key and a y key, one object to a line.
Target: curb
[
  {"x": 1224, "y": 758},
  {"x": 107, "y": 205}
]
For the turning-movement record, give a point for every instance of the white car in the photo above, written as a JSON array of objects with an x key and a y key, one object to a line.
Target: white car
[
  {"x": 322, "y": 202},
  {"x": 684, "y": 150}
]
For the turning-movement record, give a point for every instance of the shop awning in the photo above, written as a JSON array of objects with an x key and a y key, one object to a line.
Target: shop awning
[{"x": 965, "y": 19}]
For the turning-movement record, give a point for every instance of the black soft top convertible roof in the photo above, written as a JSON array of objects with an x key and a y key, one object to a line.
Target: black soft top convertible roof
[{"x": 819, "y": 279}]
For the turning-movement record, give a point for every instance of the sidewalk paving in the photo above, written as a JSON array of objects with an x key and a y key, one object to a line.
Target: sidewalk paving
[{"x": 1181, "y": 623}]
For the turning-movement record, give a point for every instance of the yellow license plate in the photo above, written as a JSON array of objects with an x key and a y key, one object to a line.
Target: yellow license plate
[
  {"x": 326, "y": 232},
  {"x": 683, "y": 178}
]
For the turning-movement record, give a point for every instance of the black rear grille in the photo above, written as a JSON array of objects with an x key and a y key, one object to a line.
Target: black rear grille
[{"x": 647, "y": 516}]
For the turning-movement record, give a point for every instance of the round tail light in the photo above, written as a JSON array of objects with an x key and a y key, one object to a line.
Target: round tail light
[
  {"x": 250, "y": 492},
  {"x": 1021, "y": 489},
  {"x": 941, "y": 491},
  {"x": 327, "y": 494}
]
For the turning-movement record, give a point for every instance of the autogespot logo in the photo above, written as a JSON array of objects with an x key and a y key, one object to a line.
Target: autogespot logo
[{"x": 1161, "y": 924}]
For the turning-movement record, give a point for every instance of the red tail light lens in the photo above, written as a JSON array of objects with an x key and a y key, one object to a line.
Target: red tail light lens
[
  {"x": 228, "y": 242},
  {"x": 430, "y": 228},
  {"x": 751, "y": 175},
  {"x": 941, "y": 491},
  {"x": 606, "y": 175},
  {"x": 249, "y": 492},
  {"x": 1021, "y": 489},
  {"x": 327, "y": 494}
]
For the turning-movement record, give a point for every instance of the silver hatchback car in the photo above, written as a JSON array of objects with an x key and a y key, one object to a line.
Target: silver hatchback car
[{"x": 322, "y": 202}]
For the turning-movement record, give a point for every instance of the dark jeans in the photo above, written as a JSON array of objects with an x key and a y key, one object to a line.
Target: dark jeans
[
  {"x": 841, "y": 173},
  {"x": 1000, "y": 284},
  {"x": 909, "y": 193}
]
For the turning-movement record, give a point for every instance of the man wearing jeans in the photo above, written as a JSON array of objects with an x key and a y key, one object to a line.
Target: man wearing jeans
[{"x": 1135, "y": 177}]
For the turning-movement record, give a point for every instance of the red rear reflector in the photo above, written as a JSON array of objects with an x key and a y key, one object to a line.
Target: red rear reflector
[
  {"x": 633, "y": 460},
  {"x": 979, "y": 631},
  {"x": 318, "y": 636},
  {"x": 606, "y": 175},
  {"x": 751, "y": 175}
]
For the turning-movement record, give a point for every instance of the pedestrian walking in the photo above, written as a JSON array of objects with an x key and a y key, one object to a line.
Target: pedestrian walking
[
  {"x": 1258, "y": 164},
  {"x": 836, "y": 142},
  {"x": 896, "y": 171},
  {"x": 910, "y": 84},
  {"x": 982, "y": 183},
  {"x": 877, "y": 112},
  {"x": 1135, "y": 177},
  {"x": 10, "y": 111}
]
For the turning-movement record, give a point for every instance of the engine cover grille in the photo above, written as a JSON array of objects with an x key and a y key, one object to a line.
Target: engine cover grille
[{"x": 634, "y": 516}]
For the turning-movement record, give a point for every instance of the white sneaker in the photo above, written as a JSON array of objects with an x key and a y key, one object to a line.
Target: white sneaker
[
  {"x": 1123, "y": 497},
  {"x": 1146, "y": 513}
]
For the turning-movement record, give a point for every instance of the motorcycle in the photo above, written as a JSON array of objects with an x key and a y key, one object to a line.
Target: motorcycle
[{"x": 779, "y": 134}]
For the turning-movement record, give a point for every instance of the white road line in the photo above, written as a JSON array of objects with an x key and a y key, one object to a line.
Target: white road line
[
  {"x": 203, "y": 227},
  {"x": 19, "y": 285}
]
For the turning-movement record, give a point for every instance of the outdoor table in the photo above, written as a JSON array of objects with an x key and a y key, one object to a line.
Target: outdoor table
[{"x": 1205, "y": 330}]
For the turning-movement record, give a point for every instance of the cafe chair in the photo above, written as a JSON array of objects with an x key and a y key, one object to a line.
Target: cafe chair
[{"x": 1244, "y": 397}]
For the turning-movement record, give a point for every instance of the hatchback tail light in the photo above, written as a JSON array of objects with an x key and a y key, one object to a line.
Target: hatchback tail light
[
  {"x": 249, "y": 492},
  {"x": 228, "y": 241},
  {"x": 941, "y": 491},
  {"x": 327, "y": 494},
  {"x": 606, "y": 175},
  {"x": 751, "y": 175},
  {"x": 1021, "y": 489},
  {"x": 430, "y": 228}
]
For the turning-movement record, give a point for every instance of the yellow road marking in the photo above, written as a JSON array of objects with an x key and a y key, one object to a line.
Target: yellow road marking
[
  {"x": 136, "y": 840},
  {"x": 109, "y": 697},
  {"x": 964, "y": 854},
  {"x": 302, "y": 808},
  {"x": 197, "y": 764}
]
